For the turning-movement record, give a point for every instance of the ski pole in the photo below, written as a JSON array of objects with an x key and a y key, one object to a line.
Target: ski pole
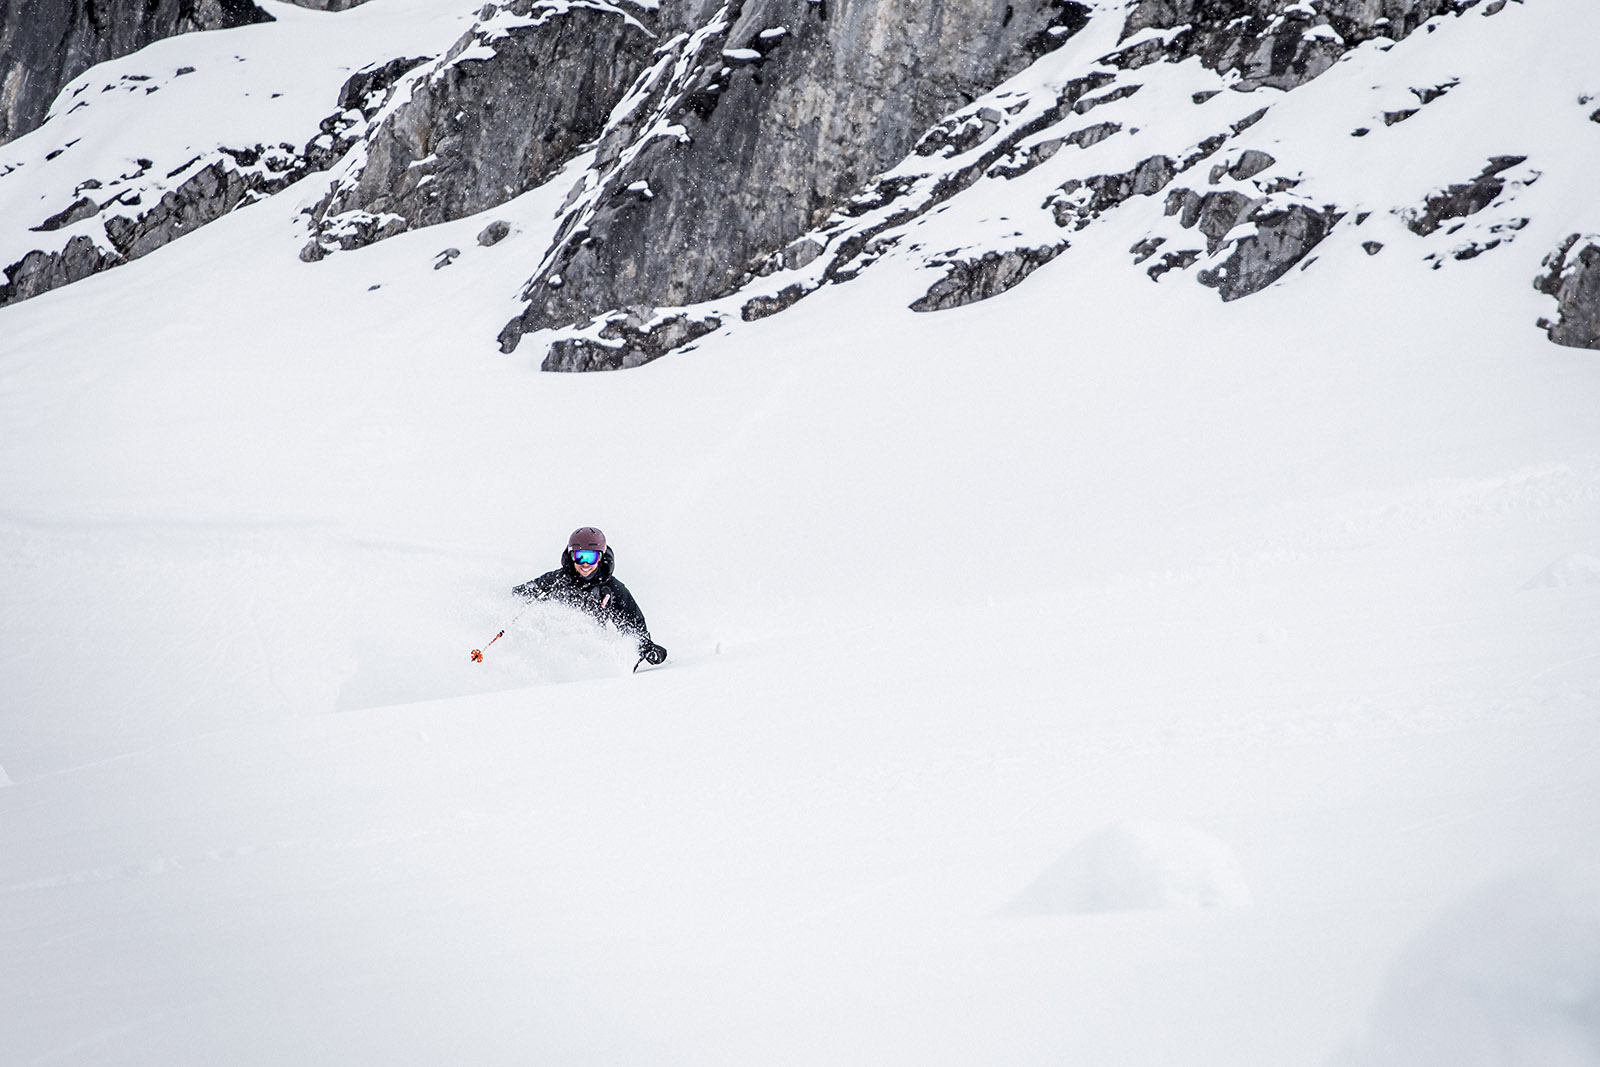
[{"x": 477, "y": 653}]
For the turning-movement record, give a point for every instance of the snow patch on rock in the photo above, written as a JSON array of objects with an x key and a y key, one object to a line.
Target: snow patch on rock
[{"x": 1139, "y": 866}]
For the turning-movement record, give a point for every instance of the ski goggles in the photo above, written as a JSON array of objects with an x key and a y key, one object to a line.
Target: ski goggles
[{"x": 586, "y": 556}]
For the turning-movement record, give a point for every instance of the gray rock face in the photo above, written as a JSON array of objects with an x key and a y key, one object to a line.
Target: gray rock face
[
  {"x": 1573, "y": 278},
  {"x": 46, "y": 43},
  {"x": 629, "y": 342},
  {"x": 211, "y": 193},
  {"x": 39, "y": 272},
  {"x": 512, "y": 101},
  {"x": 990, "y": 274},
  {"x": 1214, "y": 214},
  {"x": 1282, "y": 238},
  {"x": 753, "y": 127},
  {"x": 1459, "y": 201},
  {"x": 494, "y": 233}
]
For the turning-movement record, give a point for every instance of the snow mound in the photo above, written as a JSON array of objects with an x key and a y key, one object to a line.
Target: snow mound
[
  {"x": 1575, "y": 568},
  {"x": 1508, "y": 977},
  {"x": 1139, "y": 866}
]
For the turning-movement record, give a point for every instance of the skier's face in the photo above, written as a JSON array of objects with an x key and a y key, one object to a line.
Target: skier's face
[{"x": 585, "y": 561}]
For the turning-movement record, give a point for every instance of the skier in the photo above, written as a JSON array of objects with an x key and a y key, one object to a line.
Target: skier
[{"x": 584, "y": 581}]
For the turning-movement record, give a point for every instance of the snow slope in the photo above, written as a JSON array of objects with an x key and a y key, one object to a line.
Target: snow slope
[{"x": 1289, "y": 593}]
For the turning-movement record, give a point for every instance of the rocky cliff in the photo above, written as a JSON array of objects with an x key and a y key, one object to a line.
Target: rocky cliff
[
  {"x": 46, "y": 43},
  {"x": 725, "y": 159}
]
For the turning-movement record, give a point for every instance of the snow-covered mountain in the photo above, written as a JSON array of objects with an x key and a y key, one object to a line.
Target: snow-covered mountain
[
  {"x": 731, "y": 160},
  {"x": 1128, "y": 546}
]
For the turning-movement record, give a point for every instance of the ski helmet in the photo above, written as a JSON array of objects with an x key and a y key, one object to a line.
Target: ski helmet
[{"x": 587, "y": 537}]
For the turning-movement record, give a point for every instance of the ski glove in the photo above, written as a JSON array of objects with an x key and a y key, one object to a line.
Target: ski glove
[{"x": 653, "y": 654}]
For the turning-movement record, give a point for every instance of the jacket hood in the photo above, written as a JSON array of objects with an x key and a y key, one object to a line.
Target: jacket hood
[{"x": 607, "y": 562}]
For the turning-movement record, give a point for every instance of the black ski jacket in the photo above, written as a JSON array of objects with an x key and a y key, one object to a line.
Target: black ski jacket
[{"x": 600, "y": 595}]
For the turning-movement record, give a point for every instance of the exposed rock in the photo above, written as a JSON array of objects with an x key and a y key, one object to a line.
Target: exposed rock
[
  {"x": 802, "y": 253},
  {"x": 44, "y": 44},
  {"x": 365, "y": 89},
  {"x": 955, "y": 136},
  {"x": 972, "y": 280},
  {"x": 1169, "y": 261},
  {"x": 636, "y": 343},
  {"x": 494, "y": 233},
  {"x": 513, "y": 101},
  {"x": 1080, "y": 201},
  {"x": 1276, "y": 43},
  {"x": 1214, "y": 214},
  {"x": 211, "y": 193},
  {"x": 1485, "y": 239},
  {"x": 1281, "y": 239},
  {"x": 232, "y": 178},
  {"x": 1251, "y": 161},
  {"x": 235, "y": 177},
  {"x": 1144, "y": 249},
  {"x": 1459, "y": 201},
  {"x": 39, "y": 272},
  {"x": 327, "y": 5},
  {"x": 83, "y": 208},
  {"x": 357, "y": 229},
  {"x": 1429, "y": 94},
  {"x": 1017, "y": 164},
  {"x": 762, "y": 306},
  {"x": 840, "y": 97},
  {"x": 1135, "y": 56},
  {"x": 360, "y": 98},
  {"x": 1088, "y": 103},
  {"x": 1573, "y": 278},
  {"x": 1249, "y": 120}
]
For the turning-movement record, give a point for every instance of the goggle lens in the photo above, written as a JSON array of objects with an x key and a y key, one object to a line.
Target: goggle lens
[{"x": 586, "y": 556}]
